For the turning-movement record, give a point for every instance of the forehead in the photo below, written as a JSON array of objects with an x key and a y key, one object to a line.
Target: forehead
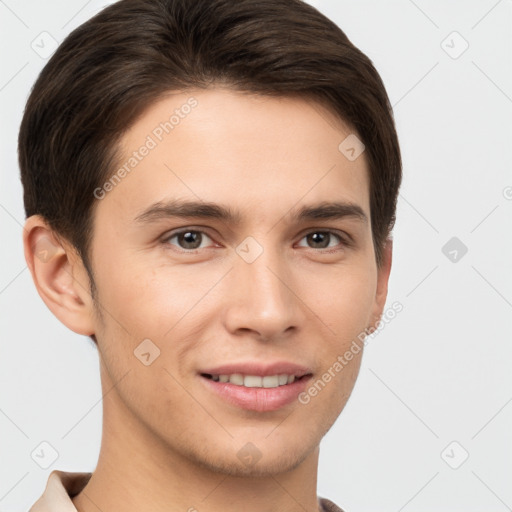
[{"x": 255, "y": 153}]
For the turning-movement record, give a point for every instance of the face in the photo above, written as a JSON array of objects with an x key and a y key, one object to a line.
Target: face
[{"x": 187, "y": 294}]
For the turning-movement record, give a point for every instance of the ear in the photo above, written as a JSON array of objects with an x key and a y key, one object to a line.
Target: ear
[
  {"x": 59, "y": 275},
  {"x": 382, "y": 284}
]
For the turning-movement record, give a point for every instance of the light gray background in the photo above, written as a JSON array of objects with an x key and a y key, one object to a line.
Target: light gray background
[{"x": 438, "y": 373}]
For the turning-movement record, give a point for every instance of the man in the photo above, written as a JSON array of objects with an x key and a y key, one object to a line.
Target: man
[{"x": 210, "y": 188}]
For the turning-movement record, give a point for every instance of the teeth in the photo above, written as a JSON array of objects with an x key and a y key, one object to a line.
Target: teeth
[
  {"x": 236, "y": 378},
  {"x": 252, "y": 381},
  {"x": 270, "y": 381},
  {"x": 255, "y": 381}
]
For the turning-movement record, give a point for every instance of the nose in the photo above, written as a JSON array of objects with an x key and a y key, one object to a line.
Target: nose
[{"x": 263, "y": 297}]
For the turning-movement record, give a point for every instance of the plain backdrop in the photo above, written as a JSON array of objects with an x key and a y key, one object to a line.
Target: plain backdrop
[{"x": 428, "y": 424}]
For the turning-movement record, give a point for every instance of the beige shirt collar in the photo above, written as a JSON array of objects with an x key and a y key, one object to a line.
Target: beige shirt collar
[{"x": 60, "y": 488}]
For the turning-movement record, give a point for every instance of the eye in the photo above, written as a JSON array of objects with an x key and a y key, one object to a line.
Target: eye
[
  {"x": 188, "y": 239},
  {"x": 322, "y": 239}
]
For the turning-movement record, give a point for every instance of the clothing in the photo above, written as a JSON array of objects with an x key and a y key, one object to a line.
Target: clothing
[{"x": 62, "y": 486}]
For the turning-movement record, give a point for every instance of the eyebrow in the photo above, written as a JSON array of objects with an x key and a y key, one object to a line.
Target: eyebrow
[{"x": 208, "y": 210}]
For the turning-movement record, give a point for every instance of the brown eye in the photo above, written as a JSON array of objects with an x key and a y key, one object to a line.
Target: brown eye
[
  {"x": 188, "y": 239},
  {"x": 322, "y": 239}
]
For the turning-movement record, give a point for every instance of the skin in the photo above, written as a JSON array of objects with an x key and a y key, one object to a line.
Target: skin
[{"x": 168, "y": 442}]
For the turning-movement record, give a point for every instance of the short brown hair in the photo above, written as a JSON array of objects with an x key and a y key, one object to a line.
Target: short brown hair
[{"x": 111, "y": 68}]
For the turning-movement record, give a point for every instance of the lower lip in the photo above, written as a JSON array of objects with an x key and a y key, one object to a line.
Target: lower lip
[{"x": 258, "y": 399}]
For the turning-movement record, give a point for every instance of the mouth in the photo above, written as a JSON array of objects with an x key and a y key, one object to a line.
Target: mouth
[
  {"x": 256, "y": 381},
  {"x": 260, "y": 393}
]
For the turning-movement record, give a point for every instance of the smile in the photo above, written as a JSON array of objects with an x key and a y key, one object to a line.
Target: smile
[{"x": 254, "y": 381}]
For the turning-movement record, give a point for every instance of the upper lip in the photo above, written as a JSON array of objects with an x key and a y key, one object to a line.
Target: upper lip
[{"x": 259, "y": 368}]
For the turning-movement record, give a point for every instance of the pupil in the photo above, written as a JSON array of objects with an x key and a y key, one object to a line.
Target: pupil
[
  {"x": 189, "y": 237},
  {"x": 321, "y": 238}
]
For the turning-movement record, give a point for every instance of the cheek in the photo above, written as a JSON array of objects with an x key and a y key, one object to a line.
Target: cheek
[
  {"x": 344, "y": 302},
  {"x": 328, "y": 393},
  {"x": 140, "y": 305},
  {"x": 170, "y": 307},
  {"x": 146, "y": 300},
  {"x": 346, "y": 310}
]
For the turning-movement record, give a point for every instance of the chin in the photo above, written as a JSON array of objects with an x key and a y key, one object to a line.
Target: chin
[{"x": 281, "y": 461}]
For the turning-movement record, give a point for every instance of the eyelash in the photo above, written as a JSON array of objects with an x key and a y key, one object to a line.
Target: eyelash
[{"x": 345, "y": 240}]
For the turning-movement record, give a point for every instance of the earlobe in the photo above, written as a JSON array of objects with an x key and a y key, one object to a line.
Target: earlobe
[{"x": 59, "y": 276}]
